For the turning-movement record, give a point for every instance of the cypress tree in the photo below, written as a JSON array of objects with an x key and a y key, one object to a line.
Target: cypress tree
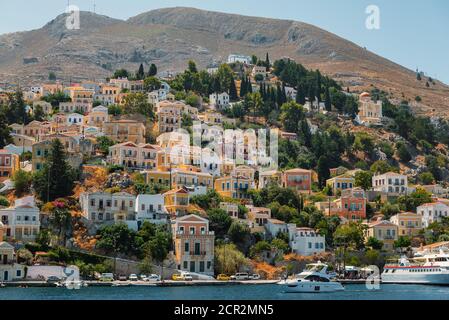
[
  {"x": 56, "y": 179},
  {"x": 233, "y": 91},
  {"x": 243, "y": 87},
  {"x": 300, "y": 95},
  {"x": 153, "y": 70},
  {"x": 318, "y": 86},
  {"x": 267, "y": 62},
  {"x": 328, "y": 102},
  {"x": 141, "y": 72},
  {"x": 249, "y": 88}
]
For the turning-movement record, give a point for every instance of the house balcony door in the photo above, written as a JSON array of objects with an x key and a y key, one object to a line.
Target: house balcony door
[
  {"x": 6, "y": 276},
  {"x": 192, "y": 266}
]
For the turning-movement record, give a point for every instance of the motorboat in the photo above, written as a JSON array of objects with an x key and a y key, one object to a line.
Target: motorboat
[{"x": 314, "y": 279}]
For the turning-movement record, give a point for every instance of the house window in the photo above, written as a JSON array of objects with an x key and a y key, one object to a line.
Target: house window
[
  {"x": 197, "y": 249},
  {"x": 186, "y": 247},
  {"x": 310, "y": 245},
  {"x": 181, "y": 230},
  {"x": 185, "y": 265},
  {"x": 201, "y": 266},
  {"x": 192, "y": 230}
]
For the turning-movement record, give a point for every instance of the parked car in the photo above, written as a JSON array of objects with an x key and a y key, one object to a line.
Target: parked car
[
  {"x": 182, "y": 277},
  {"x": 240, "y": 276},
  {"x": 106, "y": 277},
  {"x": 254, "y": 277},
  {"x": 223, "y": 277},
  {"x": 143, "y": 277},
  {"x": 53, "y": 279},
  {"x": 133, "y": 277},
  {"x": 122, "y": 277},
  {"x": 153, "y": 277}
]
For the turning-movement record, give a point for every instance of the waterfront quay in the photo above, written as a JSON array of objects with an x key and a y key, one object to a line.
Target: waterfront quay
[{"x": 166, "y": 283}]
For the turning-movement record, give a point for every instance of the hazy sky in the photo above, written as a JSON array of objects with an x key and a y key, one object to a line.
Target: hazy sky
[{"x": 412, "y": 33}]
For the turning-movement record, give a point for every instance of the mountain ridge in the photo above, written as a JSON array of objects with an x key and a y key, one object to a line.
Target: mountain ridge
[{"x": 170, "y": 37}]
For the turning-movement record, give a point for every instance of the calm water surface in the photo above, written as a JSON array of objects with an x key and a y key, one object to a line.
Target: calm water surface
[{"x": 232, "y": 292}]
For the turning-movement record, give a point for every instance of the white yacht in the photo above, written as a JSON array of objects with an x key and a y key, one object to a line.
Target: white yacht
[
  {"x": 315, "y": 278},
  {"x": 428, "y": 268}
]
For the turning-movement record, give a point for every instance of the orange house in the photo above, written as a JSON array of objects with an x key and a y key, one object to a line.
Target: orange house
[
  {"x": 9, "y": 164},
  {"x": 298, "y": 179}
]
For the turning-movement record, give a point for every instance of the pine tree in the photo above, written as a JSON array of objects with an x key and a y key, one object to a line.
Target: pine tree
[
  {"x": 418, "y": 76},
  {"x": 233, "y": 91},
  {"x": 153, "y": 70},
  {"x": 141, "y": 72},
  {"x": 56, "y": 179}
]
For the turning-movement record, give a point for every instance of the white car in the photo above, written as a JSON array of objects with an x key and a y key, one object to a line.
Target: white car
[
  {"x": 254, "y": 277},
  {"x": 133, "y": 277},
  {"x": 186, "y": 276},
  {"x": 240, "y": 276},
  {"x": 153, "y": 278}
]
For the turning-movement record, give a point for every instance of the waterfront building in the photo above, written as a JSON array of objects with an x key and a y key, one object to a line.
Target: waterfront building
[
  {"x": 21, "y": 221},
  {"x": 391, "y": 183},
  {"x": 151, "y": 208},
  {"x": 307, "y": 242},
  {"x": 193, "y": 244},
  {"x": 10, "y": 270}
]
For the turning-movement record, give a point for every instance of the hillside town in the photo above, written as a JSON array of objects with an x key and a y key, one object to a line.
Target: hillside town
[{"x": 246, "y": 166}]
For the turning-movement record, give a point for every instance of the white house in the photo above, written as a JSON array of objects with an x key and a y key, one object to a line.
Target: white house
[
  {"x": 307, "y": 242},
  {"x": 100, "y": 207},
  {"x": 9, "y": 269},
  {"x": 22, "y": 220},
  {"x": 232, "y": 58},
  {"x": 151, "y": 208},
  {"x": 219, "y": 100},
  {"x": 390, "y": 182},
  {"x": 432, "y": 212},
  {"x": 275, "y": 226},
  {"x": 75, "y": 118}
]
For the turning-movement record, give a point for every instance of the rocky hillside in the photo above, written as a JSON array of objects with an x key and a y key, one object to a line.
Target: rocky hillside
[{"x": 170, "y": 37}]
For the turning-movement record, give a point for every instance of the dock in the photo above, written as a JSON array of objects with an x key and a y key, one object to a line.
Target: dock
[{"x": 165, "y": 283}]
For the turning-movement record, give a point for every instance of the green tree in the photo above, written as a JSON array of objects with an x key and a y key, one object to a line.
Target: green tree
[
  {"x": 4, "y": 202},
  {"x": 5, "y": 137},
  {"x": 137, "y": 103},
  {"x": 60, "y": 219},
  {"x": 56, "y": 178},
  {"x": 403, "y": 153},
  {"x": 363, "y": 179},
  {"x": 233, "y": 96},
  {"x": 104, "y": 143},
  {"x": 374, "y": 243},
  {"x": 153, "y": 70},
  {"x": 219, "y": 221},
  {"x": 140, "y": 73},
  {"x": 43, "y": 239},
  {"x": 291, "y": 115},
  {"x": 426, "y": 178},
  {"x": 22, "y": 182},
  {"x": 152, "y": 83},
  {"x": 414, "y": 200},
  {"x": 229, "y": 260},
  {"x": 192, "y": 67},
  {"x": 158, "y": 249},
  {"x": 52, "y": 76},
  {"x": 403, "y": 242},
  {"x": 280, "y": 245}
]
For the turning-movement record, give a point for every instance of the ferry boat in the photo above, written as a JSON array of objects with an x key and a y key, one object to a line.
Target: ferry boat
[
  {"x": 314, "y": 279},
  {"x": 429, "y": 268}
]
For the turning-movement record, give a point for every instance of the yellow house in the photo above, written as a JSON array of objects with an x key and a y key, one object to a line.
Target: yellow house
[
  {"x": 235, "y": 187},
  {"x": 341, "y": 182},
  {"x": 383, "y": 230},
  {"x": 409, "y": 223},
  {"x": 177, "y": 202}
]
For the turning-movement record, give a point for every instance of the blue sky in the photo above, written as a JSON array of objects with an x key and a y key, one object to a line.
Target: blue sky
[{"x": 412, "y": 33}]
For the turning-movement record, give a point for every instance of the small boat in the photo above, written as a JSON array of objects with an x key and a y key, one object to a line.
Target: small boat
[
  {"x": 72, "y": 284},
  {"x": 314, "y": 279}
]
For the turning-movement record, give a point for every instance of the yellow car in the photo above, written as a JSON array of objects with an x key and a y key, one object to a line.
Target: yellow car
[
  {"x": 223, "y": 277},
  {"x": 177, "y": 277}
]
